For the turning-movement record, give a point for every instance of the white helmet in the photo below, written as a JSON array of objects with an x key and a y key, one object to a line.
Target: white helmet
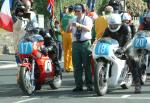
[
  {"x": 114, "y": 22},
  {"x": 126, "y": 16}
]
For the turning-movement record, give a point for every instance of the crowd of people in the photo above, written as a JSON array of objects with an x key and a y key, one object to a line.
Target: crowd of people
[{"x": 79, "y": 28}]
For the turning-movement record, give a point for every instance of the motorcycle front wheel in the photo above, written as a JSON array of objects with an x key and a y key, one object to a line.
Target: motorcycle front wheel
[
  {"x": 25, "y": 83},
  {"x": 100, "y": 84}
]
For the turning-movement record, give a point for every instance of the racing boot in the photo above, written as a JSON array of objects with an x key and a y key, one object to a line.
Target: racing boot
[
  {"x": 143, "y": 75},
  {"x": 58, "y": 71},
  {"x": 137, "y": 87},
  {"x": 127, "y": 82}
]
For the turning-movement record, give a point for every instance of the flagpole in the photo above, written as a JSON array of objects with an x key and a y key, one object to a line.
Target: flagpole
[{"x": 60, "y": 8}]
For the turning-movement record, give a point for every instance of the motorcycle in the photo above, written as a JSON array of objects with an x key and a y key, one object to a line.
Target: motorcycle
[
  {"x": 140, "y": 51},
  {"x": 35, "y": 67},
  {"x": 110, "y": 69}
]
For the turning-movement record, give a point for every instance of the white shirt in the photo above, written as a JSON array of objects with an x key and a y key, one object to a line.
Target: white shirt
[{"x": 85, "y": 35}]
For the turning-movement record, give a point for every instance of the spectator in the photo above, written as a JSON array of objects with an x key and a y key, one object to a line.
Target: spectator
[
  {"x": 67, "y": 40},
  {"x": 116, "y": 5},
  {"x": 81, "y": 29},
  {"x": 58, "y": 39},
  {"x": 101, "y": 22},
  {"x": 65, "y": 12}
]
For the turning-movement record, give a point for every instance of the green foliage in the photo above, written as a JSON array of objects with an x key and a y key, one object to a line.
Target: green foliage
[
  {"x": 100, "y": 5},
  {"x": 135, "y": 7},
  {"x": 0, "y": 3},
  {"x": 41, "y": 6}
]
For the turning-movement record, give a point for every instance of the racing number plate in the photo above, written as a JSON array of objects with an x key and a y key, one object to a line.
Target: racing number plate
[
  {"x": 102, "y": 49},
  {"x": 140, "y": 42}
]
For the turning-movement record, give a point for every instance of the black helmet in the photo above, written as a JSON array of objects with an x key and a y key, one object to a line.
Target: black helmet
[
  {"x": 70, "y": 8},
  {"x": 42, "y": 32}
]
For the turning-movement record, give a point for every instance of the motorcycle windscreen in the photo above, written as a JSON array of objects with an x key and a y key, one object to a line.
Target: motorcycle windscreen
[
  {"x": 25, "y": 47},
  {"x": 102, "y": 49}
]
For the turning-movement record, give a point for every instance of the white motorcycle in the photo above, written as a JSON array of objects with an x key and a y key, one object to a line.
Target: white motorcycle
[
  {"x": 140, "y": 51},
  {"x": 110, "y": 69}
]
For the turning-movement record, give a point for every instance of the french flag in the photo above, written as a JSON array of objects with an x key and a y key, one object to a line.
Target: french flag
[{"x": 6, "y": 21}]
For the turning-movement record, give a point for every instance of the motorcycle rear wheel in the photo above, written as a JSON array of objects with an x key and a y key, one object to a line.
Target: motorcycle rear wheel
[
  {"x": 25, "y": 83},
  {"x": 100, "y": 84}
]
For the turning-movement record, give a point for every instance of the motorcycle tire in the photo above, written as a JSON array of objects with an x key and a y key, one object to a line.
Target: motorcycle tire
[
  {"x": 25, "y": 82},
  {"x": 100, "y": 84}
]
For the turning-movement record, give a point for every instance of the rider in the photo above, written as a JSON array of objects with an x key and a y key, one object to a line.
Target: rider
[
  {"x": 117, "y": 30},
  {"x": 51, "y": 49},
  {"x": 137, "y": 74},
  {"x": 122, "y": 33},
  {"x": 127, "y": 19}
]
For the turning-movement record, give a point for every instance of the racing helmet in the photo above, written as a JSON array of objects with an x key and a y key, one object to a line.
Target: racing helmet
[
  {"x": 114, "y": 22},
  {"x": 31, "y": 26},
  {"x": 126, "y": 16}
]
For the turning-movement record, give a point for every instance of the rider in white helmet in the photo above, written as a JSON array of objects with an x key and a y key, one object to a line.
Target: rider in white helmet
[
  {"x": 127, "y": 19},
  {"x": 117, "y": 30},
  {"x": 114, "y": 22},
  {"x": 122, "y": 33}
]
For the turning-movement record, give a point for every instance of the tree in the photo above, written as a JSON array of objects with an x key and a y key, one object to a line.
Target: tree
[{"x": 136, "y": 7}]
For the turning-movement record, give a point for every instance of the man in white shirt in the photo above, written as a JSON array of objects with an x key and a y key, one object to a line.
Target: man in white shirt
[{"x": 81, "y": 41}]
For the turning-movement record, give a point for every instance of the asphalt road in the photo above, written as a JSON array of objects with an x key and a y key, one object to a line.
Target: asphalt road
[{"x": 11, "y": 93}]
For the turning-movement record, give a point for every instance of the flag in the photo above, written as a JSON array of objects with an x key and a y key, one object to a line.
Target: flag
[
  {"x": 50, "y": 6},
  {"x": 6, "y": 21},
  {"x": 91, "y": 4}
]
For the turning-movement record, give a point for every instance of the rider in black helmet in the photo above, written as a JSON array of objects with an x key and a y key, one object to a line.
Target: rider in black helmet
[{"x": 51, "y": 49}]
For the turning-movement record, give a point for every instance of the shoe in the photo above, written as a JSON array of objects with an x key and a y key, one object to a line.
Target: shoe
[
  {"x": 89, "y": 89},
  {"x": 126, "y": 82},
  {"x": 69, "y": 70},
  {"x": 143, "y": 79},
  {"x": 137, "y": 89},
  {"x": 78, "y": 89}
]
